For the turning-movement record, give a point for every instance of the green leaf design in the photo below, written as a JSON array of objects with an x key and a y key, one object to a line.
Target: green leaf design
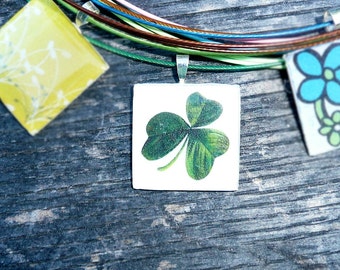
[
  {"x": 328, "y": 121},
  {"x": 336, "y": 117},
  {"x": 325, "y": 130},
  {"x": 204, "y": 145},
  {"x": 165, "y": 130},
  {"x": 202, "y": 111},
  {"x": 334, "y": 139}
]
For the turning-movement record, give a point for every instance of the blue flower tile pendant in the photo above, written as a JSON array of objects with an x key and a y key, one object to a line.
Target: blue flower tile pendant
[{"x": 315, "y": 79}]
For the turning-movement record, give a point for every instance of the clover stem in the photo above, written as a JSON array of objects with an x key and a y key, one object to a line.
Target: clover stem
[
  {"x": 320, "y": 109},
  {"x": 163, "y": 168}
]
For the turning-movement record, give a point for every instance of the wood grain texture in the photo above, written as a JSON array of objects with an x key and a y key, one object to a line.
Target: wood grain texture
[{"x": 66, "y": 197}]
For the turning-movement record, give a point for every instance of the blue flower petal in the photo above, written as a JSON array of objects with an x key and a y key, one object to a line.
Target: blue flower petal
[
  {"x": 309, "y": 63},
  {"x": 337, "y": 74},
  {"x": 333, "y": 92},
  {"x": 332, "y": 57},
  {"x": 311, "y": 90}
]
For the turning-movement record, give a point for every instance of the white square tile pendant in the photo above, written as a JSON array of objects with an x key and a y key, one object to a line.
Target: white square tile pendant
[
  {"x": 314, "y": 75},
  {"x": 186, "y": 137}
]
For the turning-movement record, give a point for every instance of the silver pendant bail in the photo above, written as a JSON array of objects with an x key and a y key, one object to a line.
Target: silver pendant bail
[
  {"x": 332, "y": 15},
  {"x": 82, "y": 18},
  {"x": 182, "y": 62}
]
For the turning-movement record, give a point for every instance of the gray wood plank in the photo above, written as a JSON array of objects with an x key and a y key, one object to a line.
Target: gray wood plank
[{"x": 66, "y": 196}]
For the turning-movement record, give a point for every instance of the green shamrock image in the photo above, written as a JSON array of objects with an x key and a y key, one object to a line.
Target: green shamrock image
[{"x": 167, "y": 130}]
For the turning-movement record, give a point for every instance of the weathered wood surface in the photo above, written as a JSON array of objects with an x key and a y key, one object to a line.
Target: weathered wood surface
[{"x": 66, "y": 197}]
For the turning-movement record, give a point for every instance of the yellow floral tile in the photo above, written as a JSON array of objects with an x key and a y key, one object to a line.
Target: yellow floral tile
[{"x": 45, "y": 63}]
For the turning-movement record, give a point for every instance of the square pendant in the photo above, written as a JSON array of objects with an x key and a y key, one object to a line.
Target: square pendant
[
  {"x": 186, "y": 137},
  {"x": 314, "y": 75},
  {"x": 45, "y": 63}
]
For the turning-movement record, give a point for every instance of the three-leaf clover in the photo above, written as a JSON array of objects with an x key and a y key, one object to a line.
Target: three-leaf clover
[{"x": 167, "y": 130}]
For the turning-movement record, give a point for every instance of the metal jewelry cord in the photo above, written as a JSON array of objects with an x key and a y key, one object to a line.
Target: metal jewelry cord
[
  {"x": 165, "y": 63},
  {"x": 238, "y": 49},
  {"x": 232, "y": 55},
  {"x": 208, "y": 34},
  {"x": 98, "y": 43}
]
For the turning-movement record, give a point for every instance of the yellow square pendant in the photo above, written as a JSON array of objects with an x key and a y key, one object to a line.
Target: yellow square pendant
[{"x": 45, "y": 63}]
